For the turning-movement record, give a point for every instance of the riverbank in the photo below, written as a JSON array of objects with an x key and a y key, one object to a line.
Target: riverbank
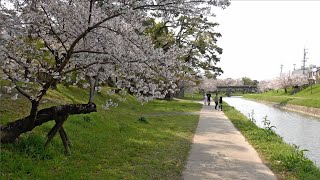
[
  {"x": 308, "y": 97},
  {"x": 286, "y": 161},
  {"x": 307, "y": 101},
  {"x": 290, "y": 107}
]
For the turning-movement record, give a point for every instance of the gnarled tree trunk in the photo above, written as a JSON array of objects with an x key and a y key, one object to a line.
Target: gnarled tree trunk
[{"x": 11, "y": 131}]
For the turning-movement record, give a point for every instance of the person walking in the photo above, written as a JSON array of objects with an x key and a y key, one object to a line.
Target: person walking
[
  {"x": 208, "y": 98},
  {"x": 216, "y": 101},
  {"x": 205, "y": 99},
  {"x": 220, "y": 103}
]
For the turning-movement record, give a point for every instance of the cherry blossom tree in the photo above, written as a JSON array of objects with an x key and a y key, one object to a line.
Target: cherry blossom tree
[
  {"x": 47, "y": 42},
  {"x": 288, "y": 80},
  {"x": 210, "y": 85},
  {"x": 196, "y": 38},
  {"x": 263, "y": 86},
  {"x": 283, "y": 82},
  {"x": 299, "y": 79},
  {"x": 232, "y": 82}
]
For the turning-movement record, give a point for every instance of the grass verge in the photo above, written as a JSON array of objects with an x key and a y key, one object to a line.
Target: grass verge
[
  {"x": 286, "y": 161},
  {"x": 196, "y": 96},
  {"x": 132, "y": 141},
  {"x": 302, "y": 98}
]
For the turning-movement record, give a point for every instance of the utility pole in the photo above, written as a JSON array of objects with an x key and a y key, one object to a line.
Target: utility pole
[
  {"x": 304, "y": 60},
  {"x": 281, "y": 67}
]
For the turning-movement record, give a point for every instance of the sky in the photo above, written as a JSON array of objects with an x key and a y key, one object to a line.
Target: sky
[{"x": 259, "y": 36}]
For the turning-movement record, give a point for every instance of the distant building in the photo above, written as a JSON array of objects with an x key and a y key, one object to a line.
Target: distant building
[
  {"x": 298, "y": 72},
  {"x": 312, "y": 72}
]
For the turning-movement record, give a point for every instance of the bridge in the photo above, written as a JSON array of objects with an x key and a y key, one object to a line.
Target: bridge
[{"x": 231, "y": 89}]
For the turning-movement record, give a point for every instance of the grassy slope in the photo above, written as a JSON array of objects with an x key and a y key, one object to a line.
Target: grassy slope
[
  {"x": 113, "y": 144},
  {"x": 194, "y": 96},
  {"x": 302, "y": 98},
  {"x": 283, "y": 159}
]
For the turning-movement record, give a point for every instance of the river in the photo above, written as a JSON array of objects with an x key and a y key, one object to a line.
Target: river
[{"x": 295, "y": 128}]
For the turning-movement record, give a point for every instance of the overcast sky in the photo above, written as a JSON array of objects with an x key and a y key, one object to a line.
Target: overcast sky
[{"x": 259, "y": 36}]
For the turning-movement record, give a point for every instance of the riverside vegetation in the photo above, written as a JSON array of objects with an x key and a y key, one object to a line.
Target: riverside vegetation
[
  {"x": 132, "y": 141},
  {"x": 286, "y": 161},
  {"x": 302, "y": 98}
]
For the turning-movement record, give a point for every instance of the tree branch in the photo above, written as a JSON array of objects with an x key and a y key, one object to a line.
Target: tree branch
[
  {"x": 12, "y": 130},
  {"x": 81, "y": 67},
  {"x": 90, "y": 11},
  {"x": 21, "y": 91},
  {"x": 53, "y": 31}
]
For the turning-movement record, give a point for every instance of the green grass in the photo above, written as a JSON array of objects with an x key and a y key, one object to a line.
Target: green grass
[
  {"x": 286, "y": 161},
  {"x": 193, "y": 96},
  {"x": 199, "y": 96},
  {"x": 111, "y": 144},
  {"x": 237, "y": 94},
  {"x": 302, "y": 98}
]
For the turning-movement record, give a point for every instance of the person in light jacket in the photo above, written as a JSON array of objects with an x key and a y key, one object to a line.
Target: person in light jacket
[
  {"x": 205, "y": 99},
  {"x": 216, "y": 101}
]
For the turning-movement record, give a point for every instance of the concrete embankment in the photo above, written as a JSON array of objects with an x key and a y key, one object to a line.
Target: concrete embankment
[{"x": 296, "y": 108}]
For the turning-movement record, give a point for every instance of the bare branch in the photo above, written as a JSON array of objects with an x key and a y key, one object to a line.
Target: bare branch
[
  {"x": 90, "y": 11},
  {"x": 18, "y": 88},
  {"x": 83, "y": 67},
  {"x": 92, "y": 88},
  {"x": 101, "y": 52},
  {"x": 53, "y": 31}
]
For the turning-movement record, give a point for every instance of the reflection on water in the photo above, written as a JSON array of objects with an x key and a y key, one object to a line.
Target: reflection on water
[{"x": 295, "y": 128}]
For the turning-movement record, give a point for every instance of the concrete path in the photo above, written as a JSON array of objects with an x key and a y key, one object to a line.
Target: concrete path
[{"x": 219, "y": 151}]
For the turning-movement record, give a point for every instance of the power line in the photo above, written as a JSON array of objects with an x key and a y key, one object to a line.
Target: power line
[
  {"x": 281, "y": 67},
  {"x": 304, "y": 59}
]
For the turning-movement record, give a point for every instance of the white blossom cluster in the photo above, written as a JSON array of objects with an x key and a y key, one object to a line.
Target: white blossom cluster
[
  {"x": 109, "y": 103},
  {"x": 210, "y": 85},
  {"x": 283, "y": 81},
  {"x": 87, "y": 42}
]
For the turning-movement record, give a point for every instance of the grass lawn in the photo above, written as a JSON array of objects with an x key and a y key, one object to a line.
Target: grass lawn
[
  {"x": 111, "y": 144},
  {"x": 199, "y": 97},
  {"x": 302, "y": 98},
  {"x": 286, "y": 161},
  {"x": 196, "y": 96}
]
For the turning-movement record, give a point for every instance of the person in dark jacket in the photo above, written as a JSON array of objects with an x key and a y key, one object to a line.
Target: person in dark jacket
[
  {"x": 220, "y": 103},
  {"x": 208, "y": 98}
]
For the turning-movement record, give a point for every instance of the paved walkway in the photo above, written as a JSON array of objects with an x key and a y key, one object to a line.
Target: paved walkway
[{"x": 219, "y": 151}]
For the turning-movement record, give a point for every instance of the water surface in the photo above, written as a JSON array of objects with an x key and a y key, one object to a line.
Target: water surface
[{"x": 295, "y": 128}]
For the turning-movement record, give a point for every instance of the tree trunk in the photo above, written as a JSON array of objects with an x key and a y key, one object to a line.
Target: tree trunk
[
  {"x": 111, "y": 83},
  {"x": 180, "y": 94},
  {"x": 11, "y": 131}
]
